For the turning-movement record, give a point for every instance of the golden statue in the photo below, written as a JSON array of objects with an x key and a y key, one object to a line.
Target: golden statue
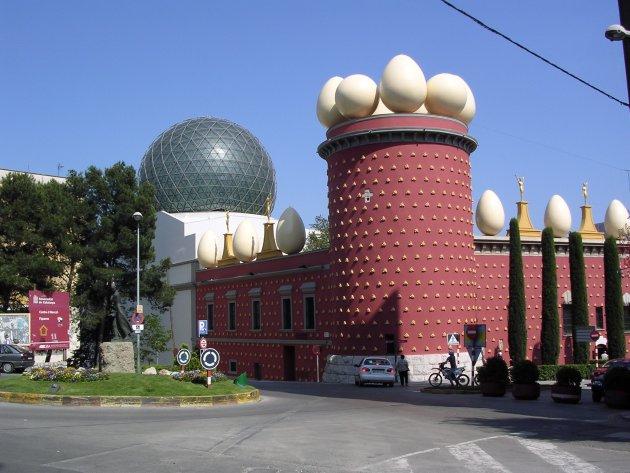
[
  {"x": 268, "y": 208},
  {"x": 227, "y": 222}
]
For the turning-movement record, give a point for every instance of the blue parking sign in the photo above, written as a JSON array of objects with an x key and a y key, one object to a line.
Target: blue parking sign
[{"x": 202, "y": 327}]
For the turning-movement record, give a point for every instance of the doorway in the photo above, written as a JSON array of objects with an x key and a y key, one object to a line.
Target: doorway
[{"x": 289, "y": 363}]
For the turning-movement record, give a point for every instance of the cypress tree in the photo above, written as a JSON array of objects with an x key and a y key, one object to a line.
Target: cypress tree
[
  {"x": 613, "y": 300},
  {"x": 517, "y": 330},
  {"x": 579, "y": 298},
  {"x": 549, "y": 333}
]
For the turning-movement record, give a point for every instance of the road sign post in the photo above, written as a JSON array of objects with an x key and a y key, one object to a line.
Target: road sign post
[
  {"x": 203, "y": 343},
  {"x": 209, "y": 359},
  {"x": 475, "y": 341},
  {"x": 183, "y": 358},
  {"x": 316, "y": 353}
]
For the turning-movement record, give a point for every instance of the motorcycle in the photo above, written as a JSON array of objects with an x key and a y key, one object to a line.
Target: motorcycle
[{"x": 435, "y": 379}]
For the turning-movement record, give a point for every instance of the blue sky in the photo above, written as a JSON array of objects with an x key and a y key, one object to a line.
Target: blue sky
[{"x": 95, "y": 82}]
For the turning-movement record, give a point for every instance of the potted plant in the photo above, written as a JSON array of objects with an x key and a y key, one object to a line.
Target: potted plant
[
  {"x": 567, "y": 388},
  {"x": 524, "y": 376},
  {"x": 493, "y": 377},
  {"x": 617, "y": 388}
]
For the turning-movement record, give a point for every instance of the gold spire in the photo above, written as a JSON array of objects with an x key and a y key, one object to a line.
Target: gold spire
[
  {"x": 587, "y": 226},
  {"x": 269, "y": 247},
  {"x": 228, "y": 257},
  {"x": 525, "y": 227}
]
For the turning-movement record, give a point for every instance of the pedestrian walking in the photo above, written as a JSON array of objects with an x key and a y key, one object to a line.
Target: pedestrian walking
[{"x": 402, "y": 366}]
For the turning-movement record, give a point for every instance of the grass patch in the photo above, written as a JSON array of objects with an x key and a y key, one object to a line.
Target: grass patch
[{"x": 122, "y": 384}]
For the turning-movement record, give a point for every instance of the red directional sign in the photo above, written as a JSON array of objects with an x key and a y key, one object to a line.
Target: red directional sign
[{"x": 50, "y": 320}]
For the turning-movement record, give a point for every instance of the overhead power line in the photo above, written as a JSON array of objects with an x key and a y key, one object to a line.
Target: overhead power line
[{"x": 526, "y": 49}]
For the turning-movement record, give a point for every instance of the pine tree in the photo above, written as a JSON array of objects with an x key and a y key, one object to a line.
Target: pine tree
[
  {"x": 579, "y": 297},
  {"x": 319, "y": 237},
  {"x": 517, "y": 330},
  {"x": 613, "y": 300},
  {"x": 549, "y": 333}
]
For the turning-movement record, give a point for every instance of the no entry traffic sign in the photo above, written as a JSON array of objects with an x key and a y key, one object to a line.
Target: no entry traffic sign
[{"x": 203, "y": 344}]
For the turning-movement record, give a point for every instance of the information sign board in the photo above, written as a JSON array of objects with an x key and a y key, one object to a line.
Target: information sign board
[{"x": 50, "y": 320}]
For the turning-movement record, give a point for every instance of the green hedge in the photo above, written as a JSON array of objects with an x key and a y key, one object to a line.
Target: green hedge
[{"x": 548, "y": 372}]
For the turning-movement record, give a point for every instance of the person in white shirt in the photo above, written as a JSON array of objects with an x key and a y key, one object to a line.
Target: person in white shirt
[{"x": 402, "y": 366}]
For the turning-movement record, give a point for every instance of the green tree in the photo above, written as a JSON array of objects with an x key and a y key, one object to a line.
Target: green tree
[
  {"x": 319, "y": 238},
  {"x": 517, "y": 329},
  {"x": 154, "y": 338},
  {"x": 613, "y": 300},
  {"x": 27, "y": 260},
  {"x": 579, "y": 298},
  {"x": 111, "y": 197},
  {"x": 550, "y": 328}
]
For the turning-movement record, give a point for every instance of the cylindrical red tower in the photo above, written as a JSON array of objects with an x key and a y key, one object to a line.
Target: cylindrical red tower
[{"x": 400, "y": 214}]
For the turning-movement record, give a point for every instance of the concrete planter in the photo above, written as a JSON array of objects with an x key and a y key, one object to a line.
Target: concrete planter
[
  {"x": 493, "y": 389},
  {"x": 528, "y": 392},
  {"x": 617, "y": 399},
  {"x": 566, "y": 394}
]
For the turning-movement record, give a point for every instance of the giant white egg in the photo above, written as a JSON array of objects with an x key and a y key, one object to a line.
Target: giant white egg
[
  {"x": 423, "y": 110},
  {"x": 290, "y": 234},
  {"x": 208, "y": 250},
  {"x": 446, "y": 95},
  {"x": 470, "y": 108},
  {"x": 403, "y": 87},
  {"x": 356, "y": 96},
  {"x": 616, "y": 218},
  {"x": 381, "y": 109},
  {"x": 327, "y": 112},
  {"x": 489, "y": 215},
  {"x": 558, "y": 216},
  {"x": 246, "y": 243}
]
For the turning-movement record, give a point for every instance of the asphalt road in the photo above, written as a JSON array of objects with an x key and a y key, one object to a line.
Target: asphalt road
[{"x": 300, "y": 427}]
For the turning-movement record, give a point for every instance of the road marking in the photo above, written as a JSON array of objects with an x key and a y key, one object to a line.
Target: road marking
[
  {"x": 554, "y": 456},
  {"x": 475, "y": 458},
  {"x": 394, "y": 461}
]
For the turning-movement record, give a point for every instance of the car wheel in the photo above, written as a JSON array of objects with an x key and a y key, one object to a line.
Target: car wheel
[
  {"x": 7, "y": 368},
  {"x": 597, "y": 396}
]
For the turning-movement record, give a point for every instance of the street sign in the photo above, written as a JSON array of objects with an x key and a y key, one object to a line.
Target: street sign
[
  {"x": 594, "y": 335},
  {"x": 315, "y": 349},
  {"x": 139, "y": 309},
  {"x": 137, "y": 318},
  {"x": 202, "y": 328},
  {"x": 452, "y": 339},
  {"x": 583, "y": 333},
  {"x": 203, "y": 344},
  {"x": 183, "y": 356},
  {"x": 209, "y": 358},
  {"x": 475, "y": 335},
  {"x": 137, "y": 327}
]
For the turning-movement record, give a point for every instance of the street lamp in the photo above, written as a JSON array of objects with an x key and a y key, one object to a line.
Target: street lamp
[
  {"x": 616, "y": 33},
  {"x": 137, "y": 216}
]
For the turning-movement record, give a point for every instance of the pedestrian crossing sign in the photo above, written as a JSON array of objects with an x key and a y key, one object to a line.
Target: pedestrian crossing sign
[{"x": 452, "y": 339}]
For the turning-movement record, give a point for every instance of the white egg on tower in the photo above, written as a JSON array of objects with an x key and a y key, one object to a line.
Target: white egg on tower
[
  {"x": 558, "y": 216},
  {"x": 423, "y": 110},
  {"x": 616, "y": 219},
  {"x": 246, "y": 242},
  {"x": 357, "y": 96},
  {"x": 381, "y": 109},
  {"x": 489, "y": 215},
  {"x": 208, "y": 250},
  {"x": 470, "y": 108},
  {"x": 446, "y": 95},
  {"x": 327, "y": 112},
  {"x": 290, "y": 233},
  {"x": 403, "y": 86}
]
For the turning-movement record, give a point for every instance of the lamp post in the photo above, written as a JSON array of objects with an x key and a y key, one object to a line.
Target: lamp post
[
  {"x": 621, "y": 32},
  {"x": 137, "y": 216}
]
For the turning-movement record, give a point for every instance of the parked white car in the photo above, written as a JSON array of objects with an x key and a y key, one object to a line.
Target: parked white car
[{"x": 375, "y": 369}]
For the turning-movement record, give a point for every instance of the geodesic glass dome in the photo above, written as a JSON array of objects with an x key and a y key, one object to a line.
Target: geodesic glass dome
[{"x": 207, "y": 164}]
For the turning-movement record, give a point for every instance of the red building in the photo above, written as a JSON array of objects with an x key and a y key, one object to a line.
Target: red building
[{"x": 403, "y": 269}]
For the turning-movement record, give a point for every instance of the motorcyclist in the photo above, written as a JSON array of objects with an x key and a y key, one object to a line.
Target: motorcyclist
[{"x": 453, "y": 363}]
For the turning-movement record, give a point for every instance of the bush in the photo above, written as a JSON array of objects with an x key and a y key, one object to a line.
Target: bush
[
  {"x": 568, "y": 376},
  {"x": 68, "y": 375},
  {"x": 524, "y": 372},
  {"x": 617, "y": 379},
  {"x": 194, "y": 364},
  {"x": 494, "y": 371},
  {"x": 198, "y": 376},
  {"x": 548, "y": 372}
]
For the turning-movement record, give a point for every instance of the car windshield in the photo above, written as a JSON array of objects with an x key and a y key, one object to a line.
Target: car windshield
[
  {"x": 19, "y": 348},
  {"x": 377, "y": 361}
]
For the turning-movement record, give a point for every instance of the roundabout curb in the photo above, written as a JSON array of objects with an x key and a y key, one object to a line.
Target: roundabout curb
[{"x": 131, "y": 401}]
